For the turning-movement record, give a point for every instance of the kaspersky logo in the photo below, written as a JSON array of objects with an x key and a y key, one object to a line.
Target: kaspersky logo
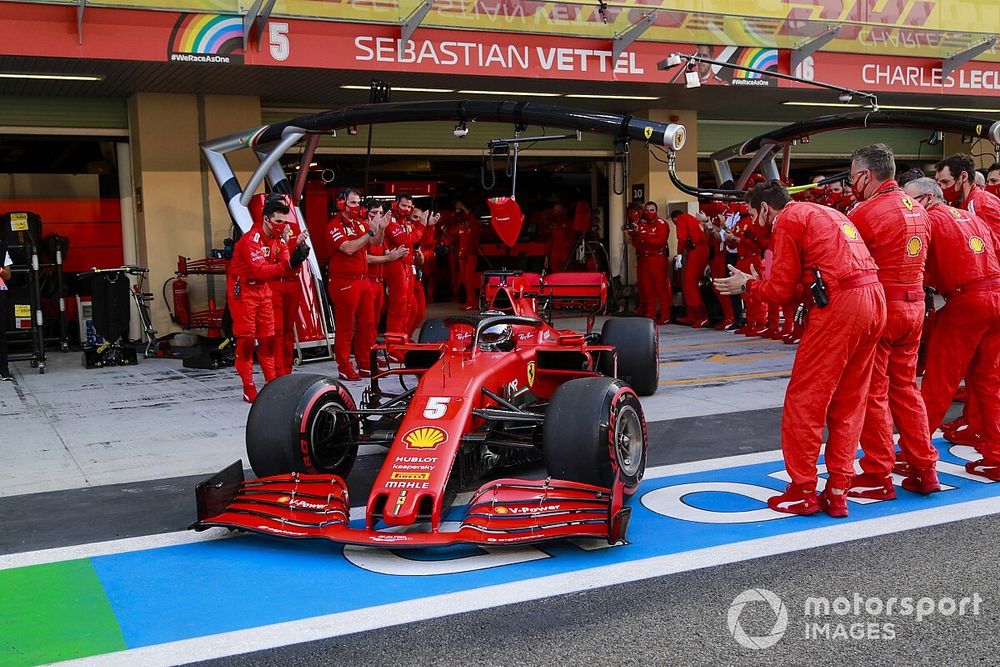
[{"x": 425, "y": 437}]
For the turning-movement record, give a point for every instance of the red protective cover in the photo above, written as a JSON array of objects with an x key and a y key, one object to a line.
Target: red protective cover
[{"x": 506, "y": 218}]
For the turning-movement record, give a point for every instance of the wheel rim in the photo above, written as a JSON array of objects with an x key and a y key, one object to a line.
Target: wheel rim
[
  {"x": 628, "y": 441},
  {"x": 331, "y": 436}
]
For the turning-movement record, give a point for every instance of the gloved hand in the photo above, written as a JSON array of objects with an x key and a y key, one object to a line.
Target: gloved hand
[
  {"x": 298, "y": 256},
  {"x": 678, "y": 261}
]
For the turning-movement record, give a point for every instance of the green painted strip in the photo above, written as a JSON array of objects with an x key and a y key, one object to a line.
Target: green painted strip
[{"x": 55, "y": 612}]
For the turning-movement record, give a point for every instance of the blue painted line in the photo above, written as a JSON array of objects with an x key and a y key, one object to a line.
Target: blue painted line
[{"x": 185, "y": 591}]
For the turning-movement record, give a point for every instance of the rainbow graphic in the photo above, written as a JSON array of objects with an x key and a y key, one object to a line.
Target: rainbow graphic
[
  {"x": 213, "y": 38},
  {"x": 763, "y": 59}
]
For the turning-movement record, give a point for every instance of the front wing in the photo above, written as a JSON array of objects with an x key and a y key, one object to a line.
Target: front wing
[{"x": 503, "y": 511}]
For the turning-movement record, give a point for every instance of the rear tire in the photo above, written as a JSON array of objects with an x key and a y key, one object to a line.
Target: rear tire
[
  {"x": 637, "y": 346},
  {"x": 297, "y": 424},
  {"x": 433, "y": 331},
  {"x": 595, "y": 429}
]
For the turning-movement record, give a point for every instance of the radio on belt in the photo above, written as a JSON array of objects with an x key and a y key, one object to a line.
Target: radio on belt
[{"x": 818, "y": 287}]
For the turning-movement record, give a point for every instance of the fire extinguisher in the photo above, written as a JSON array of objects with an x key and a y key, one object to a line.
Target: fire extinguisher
[{"x": 182, "y": 303}]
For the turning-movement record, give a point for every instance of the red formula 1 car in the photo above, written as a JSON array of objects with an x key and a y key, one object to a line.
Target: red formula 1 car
[{"x": 477, "y": 393}]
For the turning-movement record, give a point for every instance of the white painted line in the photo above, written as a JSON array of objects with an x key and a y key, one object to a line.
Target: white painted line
[
  {"x": 93, "y": 549},
  {"x": 411, "y": 611}
]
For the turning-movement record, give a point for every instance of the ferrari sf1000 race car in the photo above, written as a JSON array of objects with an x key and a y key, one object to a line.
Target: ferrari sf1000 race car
[{"x": 476, "y": 394}]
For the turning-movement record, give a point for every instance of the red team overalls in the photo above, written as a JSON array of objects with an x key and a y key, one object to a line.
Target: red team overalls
[
  {"x": 833, "y": 366},
  {"x": 750, "y": 253},
  {"x": 258, "y": 260},
  {"x": 650, "y": 241},
  {"x": 399, "y": 276},
  {"x": 986, "y": 207},
  {"x": 894, "y": 227},
  {"x": 351, "y": 295},
  {"x": 963, "y": 266},
  {"x": 691, "y": 239},
  {"x": 468, "y": 256}
]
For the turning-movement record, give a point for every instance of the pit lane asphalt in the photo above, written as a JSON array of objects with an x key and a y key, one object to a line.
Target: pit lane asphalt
[
  {"x": 677, "y": 619},
  {"x": 681, "y": 619},
  {"x": 100, "y": 513}
]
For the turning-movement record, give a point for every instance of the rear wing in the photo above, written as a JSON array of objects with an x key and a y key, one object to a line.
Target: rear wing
[{"x": 580, "y": 291}]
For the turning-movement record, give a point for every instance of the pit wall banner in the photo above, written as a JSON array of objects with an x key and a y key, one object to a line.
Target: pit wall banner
[
  {"x": 925, "y": 28},
  {"x": 216, "y": 40}
]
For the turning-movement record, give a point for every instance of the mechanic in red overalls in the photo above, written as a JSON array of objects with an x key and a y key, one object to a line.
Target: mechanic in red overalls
[
  {"x": 286, "y": 295},
  {"x": 955, "y": 175},
  {"x": 894, "y": 227},
  {"x": 377, "y": 259},
  {"x": 816, "y": 245},
  {"x": 693, "y": 243},
  {"x": 649, "y": 237},
  {"x": 260, "y": 256},
  {"x": 423, "y": 222},
  {"x": 750, "y": 251},
  {"x": 963, "y": 266},
  {"x": 349, "y": 288},
  {"x": 467, "y": 242},
  {"x": 718, "y": 236},
  {"x": 399, "y": 275},
  {"x": 562, "y": 239}
]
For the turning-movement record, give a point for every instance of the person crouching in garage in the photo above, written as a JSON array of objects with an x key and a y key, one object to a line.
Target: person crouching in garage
[
  {"x": 259, "y": 257},
  {"x": 962, "y": 265},
  {"x": 819, "y": 248}
]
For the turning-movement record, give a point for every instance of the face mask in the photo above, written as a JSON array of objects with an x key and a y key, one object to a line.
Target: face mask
[
  {"x": 649, "y": 215},
  {"x": 633, "y": 216},
  {"x": 403, "y": 211},
  {"x": 953, "y": 193},
  {"x": 857, "y": 188},
  {"x": 993, "y": 189},
  {"x": 354, "y": 211}
]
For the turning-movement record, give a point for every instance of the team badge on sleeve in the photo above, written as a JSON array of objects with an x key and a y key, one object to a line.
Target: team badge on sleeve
[
  {"x": 977, "y": 244},
  {"x": 914, "y": 246}
]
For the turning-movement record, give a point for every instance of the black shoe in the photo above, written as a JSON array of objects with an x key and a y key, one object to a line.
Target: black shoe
[
  {"x": 738, "y": 324},
  {"x": 5, "y": 376}
]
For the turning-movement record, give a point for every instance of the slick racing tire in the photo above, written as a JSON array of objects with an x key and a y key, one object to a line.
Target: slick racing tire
[
  {"x": 637, "y": 345},
  {"x": 433, "y": 331},
  {"x": 297, "y": 424},
  {"x": 595, "y": 429}
]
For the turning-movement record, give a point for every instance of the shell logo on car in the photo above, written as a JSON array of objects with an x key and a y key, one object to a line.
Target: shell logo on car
[{"x": 425, "y": 437}]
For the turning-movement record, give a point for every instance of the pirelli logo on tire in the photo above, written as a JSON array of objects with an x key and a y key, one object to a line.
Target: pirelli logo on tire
[{"x": 410, "y": 476}]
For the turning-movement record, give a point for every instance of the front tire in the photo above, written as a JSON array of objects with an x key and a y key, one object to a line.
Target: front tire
[
  {"x": 594, "y": 430},
  {"x": 637, "y": 345},
  {"x": 298, "y": 423}
]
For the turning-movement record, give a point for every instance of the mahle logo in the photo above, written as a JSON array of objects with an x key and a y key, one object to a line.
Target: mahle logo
[{"x": 774, "y": 606}]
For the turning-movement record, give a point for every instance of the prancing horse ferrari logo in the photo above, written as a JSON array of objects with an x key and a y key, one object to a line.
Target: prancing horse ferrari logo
[
  {"x": 531, "y": 373},
  {"x": 647, "y": 132}
]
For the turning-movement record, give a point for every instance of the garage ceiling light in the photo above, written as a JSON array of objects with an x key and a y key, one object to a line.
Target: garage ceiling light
[
  {"x": 823, "y": 104},
  {"x": 521, "y": 93},
  {"x": 404, "y": 89},
  {"x": 614, "y": 97},
  {"x": 898, "y": 107},
  {"x": 968, "y": 109},
  {"x": 51, "y": 77}
]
